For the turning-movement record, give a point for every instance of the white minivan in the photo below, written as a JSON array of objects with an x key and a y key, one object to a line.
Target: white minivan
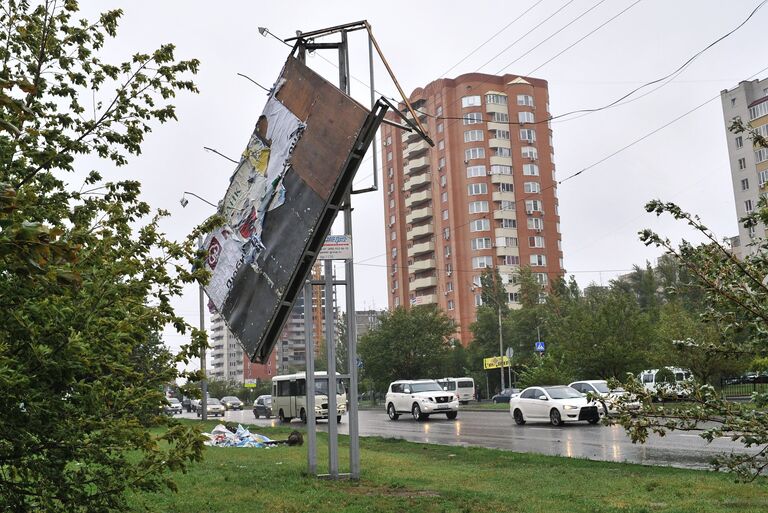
[
  {"x": 667, "y": 380},
  {"x": 464, "y": 388}
]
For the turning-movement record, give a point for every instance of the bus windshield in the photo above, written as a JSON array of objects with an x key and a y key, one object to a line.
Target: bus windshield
[{"x": 321, "y": 386}]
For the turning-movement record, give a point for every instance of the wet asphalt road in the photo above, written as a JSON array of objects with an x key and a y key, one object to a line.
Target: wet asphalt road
[{"x": 497, "y": 430}]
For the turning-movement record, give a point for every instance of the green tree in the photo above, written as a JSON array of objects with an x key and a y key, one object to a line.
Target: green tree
[
  {"x": 407, "y": 344},
  {"x": 87, "y": 276}
]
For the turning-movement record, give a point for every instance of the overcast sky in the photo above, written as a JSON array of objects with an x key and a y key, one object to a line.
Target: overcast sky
[{"x": 601, "y": 210}]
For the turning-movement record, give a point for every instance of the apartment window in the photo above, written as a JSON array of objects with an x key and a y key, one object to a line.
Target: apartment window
[
  {"x": 482, "y": 262},
  {"x": 443, "y": 180},
  {"x": 506, "y": 187},
  {"x": 448, "y": 268},
  {"x": 762, "y": 178},
  {"x": 393, "y": 235},
  {"x": 394, "y": 253},
  {"x": 479, "y": 225},
  {"x": 392, "y": 203},
  {"x": 473, "y": 135},
  {"x": 531, "y": 169},
  {"x": 761, "y": 155},
  {"x": 525, "y": 99},
  {"x": 440, "y": 128},
  {"x": 391, "y": 220},
  {"x": 441, "y": 144},
  {"x": 450, "y": 304},
  {"x": 394, "y": 285},
  {"x": 447, "y": 251},
  {"x": 527, "y": 134},
  {"x": 508, "y": 223},
  {"x": 733, "y": 102},
  {"x": 538, "y": 260},
  {"x": 474, "y": 171},
  {"x": 397, "y": 301},
  {"x": 391, "y": 187},
  {"x": 389, "y": 140},
  {"x": 559, "y": 245},
  {"x": 748, "y": 206},
  {"x": 481, "y": 243},
  {"x": 441, "y": 163},
  {"x": 472, "y": 118},
  {"x": 477, "y": 207},
  {"x": 739, "y": 142},
  {"x": 470, "y": 101},
  {"x": 751, "y": 232},
  {"x": 478, "y": 300},
  {"x": 513, "y": 297},
  {"x": 535, "y": 223},
  {"x": 439, "y": 111},
  {"x": 758, "y": 111},
  {"x": 389, "y": 156},
  {"x": 474, "y": 153},
  {"x": 525, "y": 117},
  {"x": 744, "y": 184},
  {"x": 446, "y": 233},
  {"x": 557, "y": 227},
  {"x": 444, "y": 197},
  {"x": 532, "y": 187},
  {"x": 510, "y": 260},
  {"x": 742, "y": 163},
  {"x": 474, "y": 189},
  {"x": 445, "y": 215},
  {"x": 496, "y": 99},
  {"x": 500, "y": 117},
  {"x": 529, "y": 152},
  {"x": 500, "y": 134},
  {"x": 506, "y": 205},
  {"x": 536, "y": 242},
  {"x": 391, "y": 172},
  {"x": 500, "y": 169},
  {"x": 502, "y": 152},
  {"x": 541, "y": 278},
  {"x": 506, "y": 242},
  {"x": 532, "y": 206}
]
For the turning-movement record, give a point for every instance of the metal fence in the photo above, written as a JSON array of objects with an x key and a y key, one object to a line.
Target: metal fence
[{"x": 743, "y": 386}]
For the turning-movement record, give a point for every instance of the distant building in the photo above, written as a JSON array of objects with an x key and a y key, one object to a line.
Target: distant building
[
  {"x": 749, "y": 165},
  {"x": 484, "y": 197},
  {"x": 366, "y": 320}
]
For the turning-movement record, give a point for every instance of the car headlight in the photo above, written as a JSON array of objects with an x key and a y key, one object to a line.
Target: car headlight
[
  {"x": 570, "y": 407},
  {"x": 427, "y": 400}
]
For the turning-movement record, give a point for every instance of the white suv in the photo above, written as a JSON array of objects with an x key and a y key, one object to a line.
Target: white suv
[{"x": 420, "y": 398}]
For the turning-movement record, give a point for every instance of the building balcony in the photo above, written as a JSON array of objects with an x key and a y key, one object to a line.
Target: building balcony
[
  {"x": 421, "y": 231},
  {"x": 415, "y": 148},
  {"x": 418, "y": 197},
  {"x": 421, "y": 249},
  {"x": 503, "y": 196},
  {"x": 493, "y": 107},
  {"x": 501, "y": 161},
  {"x": 417, "y": 164},
  {"x": 415, "y": 181},
  {"x": 507, "y": 250},
  {"x": 499, "y": 143},
  {"x": 422, "y": 265},
  {"x": 505, "y": 232},
  {"x": 423, "y": 283},
  {"x": 411, "y": 136},
  {"x": 504, "y": 214},
  {"x": 418, "y": 214},
  {"x": 499, "y": 178},
  {"x": 497, "y": 126},
  {"x": 427, "y": 299}
]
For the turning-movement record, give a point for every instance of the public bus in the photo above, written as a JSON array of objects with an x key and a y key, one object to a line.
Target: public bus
[
  {"x": 289, "y": 396},
  {"x": 464, "y": 388}
]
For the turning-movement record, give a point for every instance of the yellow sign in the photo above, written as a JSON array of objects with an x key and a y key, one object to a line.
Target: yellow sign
[{"x": 495, "y": 362}]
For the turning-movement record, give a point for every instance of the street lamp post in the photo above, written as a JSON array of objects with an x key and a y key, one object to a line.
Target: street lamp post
[
  {"x": 501, "y": 345},
  {"x": 204, "y": 380}
]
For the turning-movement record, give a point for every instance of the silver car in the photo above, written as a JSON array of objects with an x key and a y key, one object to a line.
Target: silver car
[{"x": 214, "y": 408}]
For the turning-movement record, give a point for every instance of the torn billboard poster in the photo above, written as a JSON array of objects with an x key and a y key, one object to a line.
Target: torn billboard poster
[{"x": 282, "y": 199}]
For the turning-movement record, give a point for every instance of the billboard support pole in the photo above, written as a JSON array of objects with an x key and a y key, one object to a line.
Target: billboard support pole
[
  {"x": 330, "y": 347},
  {"x": 310, "y": 389}
]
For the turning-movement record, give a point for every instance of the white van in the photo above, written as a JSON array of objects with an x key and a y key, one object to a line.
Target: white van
[
  {"x": 289, "y": 396},
  {"x": 667, "y": 380},
  {"x": 464, "y": 388}
]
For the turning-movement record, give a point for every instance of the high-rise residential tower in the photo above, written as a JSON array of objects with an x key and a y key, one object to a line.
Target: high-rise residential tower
[
  {"x": 749, "y": 165},
  {"x": 484, "y": 196}
]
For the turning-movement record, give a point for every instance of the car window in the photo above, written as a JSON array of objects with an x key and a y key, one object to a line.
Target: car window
[
  {"x": 562, "y": 392},
  {"x": 397, "y": 388},
  {"x": 578, "y": 386},
  {"x": 426, "y": 387},
  {"x": 529, "y": 394},
  {"x": 466, "y": 384},
  {"x": 648, "y": 378},
  {"x": 601, "y": 387}
]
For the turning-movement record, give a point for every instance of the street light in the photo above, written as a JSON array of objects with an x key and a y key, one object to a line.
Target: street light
[
  {"x": 204, "y": 381},
  {"x": 501, "y": 335}
]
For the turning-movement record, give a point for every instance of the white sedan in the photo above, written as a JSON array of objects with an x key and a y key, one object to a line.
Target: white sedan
[{"x": 555, "y": 404}]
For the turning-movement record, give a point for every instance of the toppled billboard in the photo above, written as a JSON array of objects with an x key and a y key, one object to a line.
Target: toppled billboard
[{"x": 281, "y": 202}]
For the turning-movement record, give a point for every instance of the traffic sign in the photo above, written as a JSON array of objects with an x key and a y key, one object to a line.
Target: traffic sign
[
  {"x": 510, "y": 352},
  {"x": 539, "y": 346}
]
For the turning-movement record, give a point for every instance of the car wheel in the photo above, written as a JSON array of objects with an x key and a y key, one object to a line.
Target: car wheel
[
  {"x": 393, "y": 415},
  {"x": 198, "y": 414},
  {"x": 416, "y": 412},
  {"x": 303, "y": 416},
  {"x": 518, "y": 416},
  {"x": 452, "y": 415},
  {"x": 594, "y": 421},
  {"x": 554, "y": 418},
  {"x": 281, "y": 416},
  {"x": 256, "y": 414},
  {"x": 338, "y": 419}
]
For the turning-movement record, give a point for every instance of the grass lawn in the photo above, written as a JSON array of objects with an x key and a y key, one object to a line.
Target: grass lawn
[{"x": 400, "y": 476}]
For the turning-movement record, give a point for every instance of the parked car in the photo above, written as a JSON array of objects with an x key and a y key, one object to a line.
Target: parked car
[
  {"x": 556, "y": 404},
  {"x": 231, "y": 402},
  {"x": 186, "y": 404},
  {"x": 172, "y": 407},
  {"x": 262, "y": 406},
  {"x": 420, "y": 398},
  {"x": 214, "y": 408},
  {"x": 667, "y": 381},
  {"x": 610, "y": 398},
  {"x": 504, "y": 395}
]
